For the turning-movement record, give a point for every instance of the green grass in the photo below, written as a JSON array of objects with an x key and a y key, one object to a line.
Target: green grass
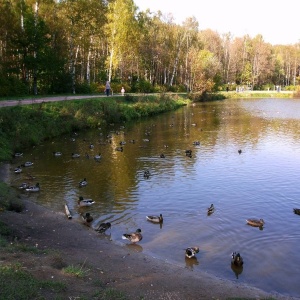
[
  {"x": 24, "y": 126},
  {"x": 17, "y": 283},
  {"x": 110, "y": 294},
  {"x": 77, "y": 271}
]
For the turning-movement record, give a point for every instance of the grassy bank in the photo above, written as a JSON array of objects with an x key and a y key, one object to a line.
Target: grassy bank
[
  {"x": 258, "y": 94},
  {"x": 24, "y": 126}
]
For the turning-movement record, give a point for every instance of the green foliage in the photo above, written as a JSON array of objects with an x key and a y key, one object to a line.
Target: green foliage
[
  {"x": 28, "y": 125},
  {"x": 5, "y": 230},
  {"x": 9, "y": 198},
  {"x": 77, "y": 271}
]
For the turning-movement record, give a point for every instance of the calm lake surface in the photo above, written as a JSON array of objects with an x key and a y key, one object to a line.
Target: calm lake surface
[{"x": 261, "y": 182}]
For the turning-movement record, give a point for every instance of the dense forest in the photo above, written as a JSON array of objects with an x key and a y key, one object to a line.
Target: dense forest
[{"x": 74, "y": 46}]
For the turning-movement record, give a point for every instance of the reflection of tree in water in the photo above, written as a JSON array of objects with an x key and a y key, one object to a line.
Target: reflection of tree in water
[
  {"x": 237, "y": 270},
  {"x": 191, "y": 262}
]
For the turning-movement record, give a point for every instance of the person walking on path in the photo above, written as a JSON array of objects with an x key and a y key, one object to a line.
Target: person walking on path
[
  {"x": 107, "y": 88},
  {"x": 122, "y": 91}
]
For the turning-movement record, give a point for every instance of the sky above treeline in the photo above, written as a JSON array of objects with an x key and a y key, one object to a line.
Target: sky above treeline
[{"x": 276, "y": 21}]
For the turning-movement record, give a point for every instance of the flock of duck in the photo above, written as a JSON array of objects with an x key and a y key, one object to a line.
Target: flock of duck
[{"x": 135, "y": 237}]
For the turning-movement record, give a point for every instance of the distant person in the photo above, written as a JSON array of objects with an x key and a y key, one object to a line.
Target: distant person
[
  {"x": 122, "y": 91},
  {"x": 107, "y": 88}
]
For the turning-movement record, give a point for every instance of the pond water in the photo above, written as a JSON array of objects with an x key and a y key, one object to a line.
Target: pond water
[{"x": 261, "y": 182}]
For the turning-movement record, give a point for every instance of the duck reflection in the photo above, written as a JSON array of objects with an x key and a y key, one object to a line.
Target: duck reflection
[
  {"x": 191, "y": 262},
  {"x": 135, "y": 247},
  {"x": 237, "y": 270}
]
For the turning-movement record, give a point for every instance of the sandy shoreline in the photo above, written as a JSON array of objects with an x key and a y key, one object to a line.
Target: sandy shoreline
[{"x": 125, "y": 268}]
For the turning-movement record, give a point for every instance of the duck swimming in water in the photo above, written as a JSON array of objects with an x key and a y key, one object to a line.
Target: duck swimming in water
[
  {"x": 236, "y": 259},
  {"x": 210, "y": 209},
  {"x": 103, "y": 227},
  {"x": 85, "y": 202},
  {"x": 190, "y": 252},
  {"x": 297, "y": 211},
  {"x": 255, "y": 222},
  {"x": 83, "y": 182},
  {"x": 155, "y": 219},
  {"x": 133, "y": 237}
]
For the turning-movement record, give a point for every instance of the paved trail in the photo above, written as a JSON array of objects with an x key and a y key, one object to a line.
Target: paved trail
[{"x": 6, "y": 103}]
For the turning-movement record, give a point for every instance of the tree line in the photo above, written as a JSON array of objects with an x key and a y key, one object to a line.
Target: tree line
[{"x": 75, "y": 46}]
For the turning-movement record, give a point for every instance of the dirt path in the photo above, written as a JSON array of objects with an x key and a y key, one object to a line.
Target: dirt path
[{"x": 6, "y": 103}]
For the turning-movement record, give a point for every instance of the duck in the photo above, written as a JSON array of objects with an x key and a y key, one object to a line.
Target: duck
[
  {"x": 18, "y": 170},
  {"x": 87, "y": 219},
  {"x": 85, "y": 202},
  {"x": 23, "y": 186},
  {"x": 18, "y": 154},
  {"x": 33, "y": 188},
  {"x": 190, "y": 252},
  {"x": 147, "y": 174},
  {"x": 119, "y": 149},
  {"x": 83, "y": 182},
  {"x": 239, "y": 151},
  {"x": 122, "y": 143},
  {"x": 196, "y": 143},
  {"x": 236, "y": 259},
  {"x": 155, "y": 219},
  {"x": 57, "y": 153},
  {"x": 98, "y": 156},
  {"x": 162, "y": 155},
  {"x": 255, "y": 222},
  {"x": 91, "y": 146},
  {"x": 27, "y": 164},
  {"x": 210, "y": 209},
  {"x": 297, "y": 211},
  {"x": 75, "y": 155},
  {"x": 103, "y": 227},
  {"x": 133, "y": 237},
  {"x": 188, "y": 153}
]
